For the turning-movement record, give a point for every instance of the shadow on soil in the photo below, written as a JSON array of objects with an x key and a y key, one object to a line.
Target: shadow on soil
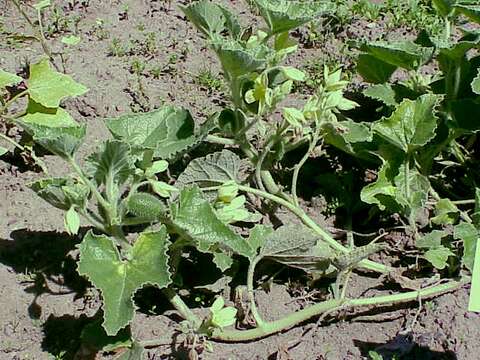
[
  {"x": 403, "y": 347},
  {"x": 45, "y": 266}
]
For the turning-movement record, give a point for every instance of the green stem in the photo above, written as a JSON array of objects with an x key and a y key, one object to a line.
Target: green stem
[
  {"x": 367, "y": 264},
  {"x": 298, "y": 167},
  {"x": 13, "y": 142},
  {"x": 251, "y": 295},
  {"x": 220, "y": 140},
  {"x": 298, "y": 317},
  {"x": 181, "y": 307}
]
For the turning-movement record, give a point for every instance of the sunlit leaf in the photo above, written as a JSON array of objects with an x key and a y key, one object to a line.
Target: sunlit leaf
[
  {"x": 285, "y": 15},
  {"x": 412, "y": 124},
  {"x": 48, "y": 87},
  {"x": 119, "y": 279},
  {"x": 8, "y": 79},
  {"x": 62, "y": 193}
]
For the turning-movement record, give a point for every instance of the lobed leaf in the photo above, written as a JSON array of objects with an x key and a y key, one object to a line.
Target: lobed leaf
[
  {"x": 469, "y": 235},
  {"x": 37, "y": 114},
  {"x": 383, "y": 93},
  {"x": 406, "y": 54},
  {"x": 297, "y": 246},
  {"x": 168, "y": 131},
  {"x": 374, "y": 70},
  {"x": 211, "y": 170},
  {"x": 119, "y": 279},
  {"x": 111, "y": 165},
  {"x": 195, "y": 217},
  {"x": 211, "y": 19},
  {"x": 476, "y": 84},
  {"x": 8, "y": 79},
  {"x": 61, "y": 193},
  {"x": 49, "y": 87},
  {"x": 412, "y": 125},
  {"x": 284, "y": 15}
]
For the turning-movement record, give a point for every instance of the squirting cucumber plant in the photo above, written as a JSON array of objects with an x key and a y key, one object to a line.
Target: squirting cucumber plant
[{"x": 143, "y": 221}]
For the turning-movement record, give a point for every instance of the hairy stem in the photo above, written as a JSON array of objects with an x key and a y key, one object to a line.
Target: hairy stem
[
  {"x": 367, "y": 264},
  {"x": 298, "y": 317},
  {"x": 181, "y": 307},
  {"x": 298, "y": 167},
  {"x": 251, "y": 296}
]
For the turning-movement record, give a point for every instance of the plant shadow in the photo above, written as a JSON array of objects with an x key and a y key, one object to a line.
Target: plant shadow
[
  {"x": 44, "y": 260},
  {"x": 403, "y": 347}
]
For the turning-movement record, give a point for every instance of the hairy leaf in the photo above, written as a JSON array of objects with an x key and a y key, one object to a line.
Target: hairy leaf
[
  {"x": 119, "y": 279},
  {"x": 212, "y": 19},
  {"x": 196, "y": 217},
  {"x": 476, "y": 84},
  {"x": 406, "y": 54},
  {"x": 438, "y": 257},
  {"x": 168, "y": 131},
  {"x": 470, "y": 11},
  {"x": 297, "y": 246},
  {"x": 257, "y": 237},
  {"x": 381, "y": 92},
  {"x": 284, "y": 15},
  {"x": 431, "y": 240},
  {"x": 211, "y": 170},
  {"x": 8, "y": 79},
  {"x": 445, "y": 212},
  {"x": 49, "y": 87},
  {"x": 61, "y": 193},
  {"x": 344, "y": 135},
  {"x": 469, "y": 234},
  {"x": 237, "y": 60},
  {"x": 37, "y": 114},
  {"x": 111, "y": 166},
  {"x": 412, "y": 125},
  {"x": 382, "y": 191}
]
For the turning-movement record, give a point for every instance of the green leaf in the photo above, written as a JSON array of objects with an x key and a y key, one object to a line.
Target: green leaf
[
  {"x": 405, "y": 54},
  {"x": 42, "y": 5},
  {"x": 444, "y": 8},
  {"x": 37, "y": 114},
  {"x": 469, "y": 235},
  {"x": 476, "y": 84},
  {"x": 224, "y": 317},
  {"x": 348, "y": 136},
  {"x": 462, "y": 111},
  {"x": 118, "y": 279},
  {"x": 383, "y": 93},
  {"x": 62, "y": 193},
  {"x": 411, "y": 192},
  {"x": 470, "y": 11},
  {"x": 72, "y": 221},
  {"x": 8, "y": 79},
  {"x": 374, "y": 70},
  {"x": 285, "y": 15},
  {"x": 168, "y": 131},
  {"x": 438, "y": 257},
  {"x": 94, "y": 336},
  {"x": 237, "y": 60},
  {"x": 162, "y": 189},
  {"x": 257, "y": 237},
  {"x": 293, "y": 73},
  {"x": 3, "y": 150},
  {"x": 412, "y": 125},
  {"x": 145, "y": 206},
  {"x": 157, "y": 167},
  {"x": 211, "y": 19},
  {"x": 382, "y": 191},
  {"x": 211, "y": 170},
  {"x": 294, "y": 117},
  {"x": 196, "y": 217},
  {"x": 445, "y": 212},
  {"x": 52, "y": 128},
  {"x": 228, "y": 191},
  {"x": 111, "y": 166},
  {"x": 49, "y": 87},
  {"x": 431, "y": 240},
  {"x": 297, "y": 246},
  {"x": 71, "y": 40}
]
